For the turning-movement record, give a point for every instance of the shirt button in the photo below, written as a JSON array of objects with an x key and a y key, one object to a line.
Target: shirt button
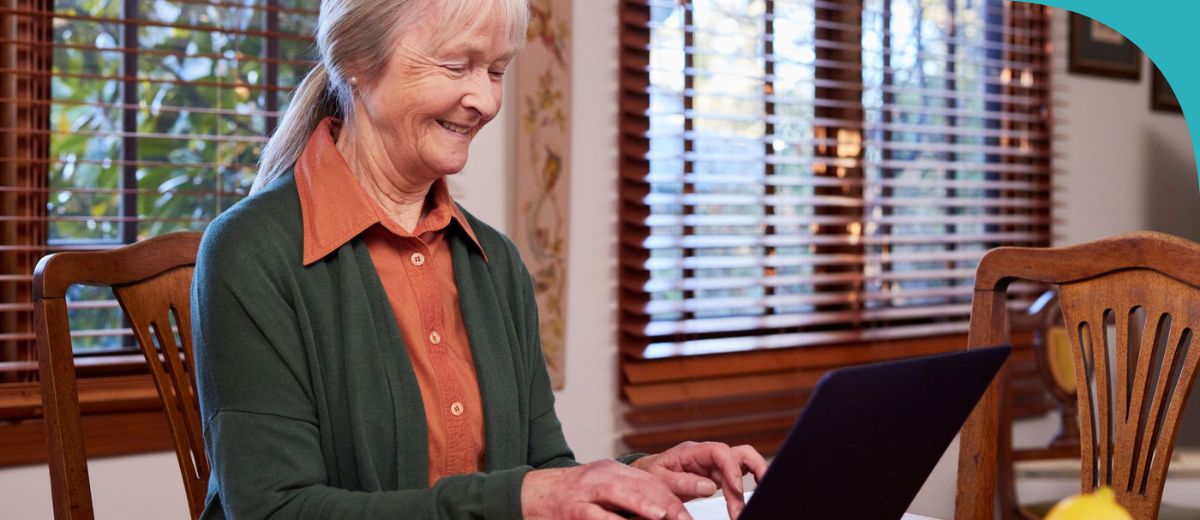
[
  {"x": 456, "y": 408},
  {"x": 435, "y": 338},
  {"x": 417, "y": 259}
]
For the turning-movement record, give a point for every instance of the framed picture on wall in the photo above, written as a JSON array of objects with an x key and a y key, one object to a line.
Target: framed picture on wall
[
  {"x": 1162, "y": 97},
  {"x": 1099, "y": 50}
]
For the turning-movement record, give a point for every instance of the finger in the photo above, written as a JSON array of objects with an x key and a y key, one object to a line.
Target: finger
[
  {"x": 685, "y": 485},
  {"x": 717, "y": 460},
  {"x": 751, "y": 460},
  {"x": 730, "y": 467},
  {"x": 734, "y": 500}
]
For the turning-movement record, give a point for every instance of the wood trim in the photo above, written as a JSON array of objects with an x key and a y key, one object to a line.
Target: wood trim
[
  {"x": 85, "y": 366},
  {"x": 790, "y": 402},
  {"x": 700, "y": 390},
  {"x": 765, "y": 435},
  {"x": 121, "y": 415},
  {"x": 105, "y": 434},
  {"x": 753, "y": 397},
  {"x": 695, "y": 367},
  {"x": 97, "y": 395}
]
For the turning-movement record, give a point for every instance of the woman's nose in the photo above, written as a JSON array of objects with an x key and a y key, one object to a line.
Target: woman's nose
[{"x": 483, "y": 95}]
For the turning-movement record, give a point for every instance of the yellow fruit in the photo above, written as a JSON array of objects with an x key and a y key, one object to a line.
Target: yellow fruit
[{"x": 1101, "y": 505}]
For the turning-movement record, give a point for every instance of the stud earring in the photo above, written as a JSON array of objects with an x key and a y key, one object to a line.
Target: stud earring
[{"x": 353, "y": 81}]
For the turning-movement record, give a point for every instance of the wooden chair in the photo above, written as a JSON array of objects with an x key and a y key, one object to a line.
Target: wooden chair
[
  {"x": 1056, "y": 378},
  {"x": 152, "y": 282},
  {"x": 1132, "y": 387}
]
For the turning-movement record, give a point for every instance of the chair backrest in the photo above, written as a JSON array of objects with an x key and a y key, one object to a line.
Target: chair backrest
[
  {"x": 152, "y": 282},
  {"x": 1132, "y": 387},
  {"x": 1051, "y": 348}
]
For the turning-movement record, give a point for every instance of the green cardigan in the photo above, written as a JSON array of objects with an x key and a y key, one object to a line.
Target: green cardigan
[{"x": 308, "y": 398}]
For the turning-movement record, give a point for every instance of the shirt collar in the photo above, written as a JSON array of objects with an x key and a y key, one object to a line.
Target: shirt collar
[{"x": 334, "y": 208}]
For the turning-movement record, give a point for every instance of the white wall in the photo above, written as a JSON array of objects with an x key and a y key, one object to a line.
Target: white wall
[
  {"x": 1119, "y": 167},
  {"x": 588, "y": 406}
]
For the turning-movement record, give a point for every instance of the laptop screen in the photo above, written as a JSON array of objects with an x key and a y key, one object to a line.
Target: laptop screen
[{"x": 870, "y": 435}]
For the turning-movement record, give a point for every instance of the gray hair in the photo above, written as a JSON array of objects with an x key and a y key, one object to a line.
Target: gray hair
[{"x": 352, "y": 42}]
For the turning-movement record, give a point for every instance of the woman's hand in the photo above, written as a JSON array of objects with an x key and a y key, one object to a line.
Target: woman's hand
[
  {"x": 597, "y": 491},
  {"x": 693, "y": 470}
]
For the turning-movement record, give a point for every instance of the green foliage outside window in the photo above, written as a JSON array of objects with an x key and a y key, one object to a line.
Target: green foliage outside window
[{"x": 201, "y": 107}]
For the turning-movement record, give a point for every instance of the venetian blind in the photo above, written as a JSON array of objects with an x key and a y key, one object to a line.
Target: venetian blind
[
  {"x": 126, "y": 119},
  {"x": 807, "y": 184}
]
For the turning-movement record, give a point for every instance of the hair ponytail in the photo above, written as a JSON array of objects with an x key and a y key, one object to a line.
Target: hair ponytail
[{"x": 312, "y": 101}]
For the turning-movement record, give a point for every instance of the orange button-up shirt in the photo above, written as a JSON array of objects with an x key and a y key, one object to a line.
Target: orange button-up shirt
[{"x": 418, "y": 276}]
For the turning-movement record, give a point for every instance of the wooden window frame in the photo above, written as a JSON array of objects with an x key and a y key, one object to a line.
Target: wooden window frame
[
  {"x": 121, "y": 414},
  {"x": 119, "y": 403},
  {"x": 752, "y": 396}
]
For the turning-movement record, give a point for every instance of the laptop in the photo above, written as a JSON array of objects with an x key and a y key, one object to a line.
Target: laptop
[{"x": 870, "y": 435}]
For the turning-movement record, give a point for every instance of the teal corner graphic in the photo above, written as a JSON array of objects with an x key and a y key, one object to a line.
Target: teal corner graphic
[{"x": 1167, "y": 31}]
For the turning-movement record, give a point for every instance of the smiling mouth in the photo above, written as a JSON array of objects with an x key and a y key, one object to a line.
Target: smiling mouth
[{"x": 462, "y": 130}]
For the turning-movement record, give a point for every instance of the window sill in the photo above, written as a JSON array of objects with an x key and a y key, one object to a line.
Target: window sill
[{"x": 121, "y": 416}]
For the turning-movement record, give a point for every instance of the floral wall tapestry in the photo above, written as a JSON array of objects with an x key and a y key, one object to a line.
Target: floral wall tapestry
[{"x": 541, "y": 189}]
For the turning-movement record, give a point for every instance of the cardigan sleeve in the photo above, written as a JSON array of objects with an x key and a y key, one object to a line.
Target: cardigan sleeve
[
  {"x": 547, "y": 444},
  {"x": 260, "y": 424},
  {"x": 548, "y": 447}
]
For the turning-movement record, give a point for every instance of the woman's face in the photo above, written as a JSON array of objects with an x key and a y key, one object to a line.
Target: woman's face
[{"x": 435, "y": 93}]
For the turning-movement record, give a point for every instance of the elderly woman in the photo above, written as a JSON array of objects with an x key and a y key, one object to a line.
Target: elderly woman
[{"x": 368, "y": 349}]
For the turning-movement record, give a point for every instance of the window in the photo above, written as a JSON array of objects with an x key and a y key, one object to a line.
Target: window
[
  {"x": 808, "y": 184},
  {"x": 122, "y": 120}
]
